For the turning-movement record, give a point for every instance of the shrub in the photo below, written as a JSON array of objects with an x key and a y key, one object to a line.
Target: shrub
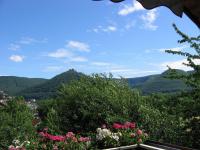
[
  {"x": 15, "y": 122},
  {"x": 90, "y": 101}
]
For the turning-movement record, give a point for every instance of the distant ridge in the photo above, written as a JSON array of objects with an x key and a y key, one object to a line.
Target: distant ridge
[
  {"x": 47, "y": 88},
  {"x": 12, "y": 84},
  {"x": 158, "y": 83},
  {"x": 50, "y": 87}
]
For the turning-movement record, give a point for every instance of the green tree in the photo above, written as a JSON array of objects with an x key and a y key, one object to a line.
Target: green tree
[
  {"x": 90, "y": 102},
  {"x": 15, "y": 122},
  {"x": 192, "y": 79}
]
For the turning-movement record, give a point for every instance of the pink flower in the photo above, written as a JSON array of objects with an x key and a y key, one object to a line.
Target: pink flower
[
  {"x": 11, "y": 147},
  {"x": 139, "y": 132},
  {"x": 139, "y": 140},
  {"x": 45, "y": 129},
  {"x": 132, "y": 135},
  {"x": 129, "y": 125},
  {"x": 84, "y": 139},
  {"x": 70, "y": 135},
  {"x": 74, "y": 139},
  {"x": 56, "y": 138},
  {"x": 52, "y": 137},
  {"x": 42, "y": 134},
  {"x": 103, "y": 126},
  {"x": 117, "y": 126}
]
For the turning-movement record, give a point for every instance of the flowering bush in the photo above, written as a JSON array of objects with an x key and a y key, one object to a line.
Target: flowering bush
[
  {"x": 68, "y": 141},
  {"x": 120, "y": 135},
  {"x": 105, "y": 138},
  {"x": 130, "y": 134},
  {"x": 117, "y": 135},
  {"x": 17, "y": 145}
]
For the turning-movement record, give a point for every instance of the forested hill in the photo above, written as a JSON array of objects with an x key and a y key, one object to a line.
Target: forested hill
[
  {"x": 43, "y": 88},
  {"x": 158, "y": 83},
  {"x": 12, "y": 85},
  {"x": 49, "y": 88}
]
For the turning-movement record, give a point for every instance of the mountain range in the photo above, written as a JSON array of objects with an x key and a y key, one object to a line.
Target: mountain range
[{"x": 39, "y": 88}]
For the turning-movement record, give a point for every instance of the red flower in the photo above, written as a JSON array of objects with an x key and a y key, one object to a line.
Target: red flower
[
  {"x": 127, "y": 125},
  {"x": 52, "y": 137},
  {"x": 139, "y": 132},
  {"x": 55, "y": 138},
  {"x": 117, "y": 126}
]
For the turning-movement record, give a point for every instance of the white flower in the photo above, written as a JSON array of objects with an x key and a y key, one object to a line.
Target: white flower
[
  {"x": 106, "y": 132},
  {"x": 115, "y": 136},
  {"x": 27, "y": 142},
  {"x": 11, "y": 146},
  {"x": 98, "y": 130},
  {"x": 102, "y": 133},
  {"x": 119, "y": 133},
  {"x": 16, "y": 142},
  {"x": 18, "y": 147}
]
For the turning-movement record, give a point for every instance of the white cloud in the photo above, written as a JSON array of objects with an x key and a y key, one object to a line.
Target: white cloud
[
  {"x": 61, "y": 53},
  {"x": 79, "y": 59},
  {"x": 16, "y": 58},
  {"x": 131, "y": 72},
  {"x": 178, "y": 64},
  {"x": 130, "y": 25},
  {"x": 176, "y": 49},
  {"x": 103, "y": 64},
  {"x": 25, "y": 41},
  {"x": 79, "y": 46},
  {"x": 14, "y": 47},
  {"x": 110, "y": 28},
  {"x": 120, "y": 70},
  {"x": 149, "y": 18},
  {"x": 30, "y": 40},
  {"x": 128, "y": 9}
]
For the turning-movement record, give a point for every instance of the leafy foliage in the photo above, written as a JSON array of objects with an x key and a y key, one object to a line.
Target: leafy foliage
[
  {"x": 12, "y": 85},
  {"x": 84, "y": 104},
  {"x": 43, "y": 88},
  {"x": 16, "y": 122},
  {"x": 192, "y": 108},
  {"x": 49, "y": 88}
]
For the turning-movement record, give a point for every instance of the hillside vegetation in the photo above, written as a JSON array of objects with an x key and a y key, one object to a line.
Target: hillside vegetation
[
  {"x": 12, "y": 85},
  {"x": 49, "y": 88},
  {"x": 44, "y": 88}
]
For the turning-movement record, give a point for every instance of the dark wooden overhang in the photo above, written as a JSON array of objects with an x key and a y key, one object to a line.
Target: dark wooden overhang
[{"x": 190, "y": 7}]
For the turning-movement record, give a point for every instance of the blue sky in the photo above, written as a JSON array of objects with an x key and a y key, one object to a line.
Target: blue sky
[{"x": 42, "y": 38}]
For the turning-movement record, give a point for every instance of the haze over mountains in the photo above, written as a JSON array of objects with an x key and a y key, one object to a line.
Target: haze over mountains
[{"x": 44, "y": 88}]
